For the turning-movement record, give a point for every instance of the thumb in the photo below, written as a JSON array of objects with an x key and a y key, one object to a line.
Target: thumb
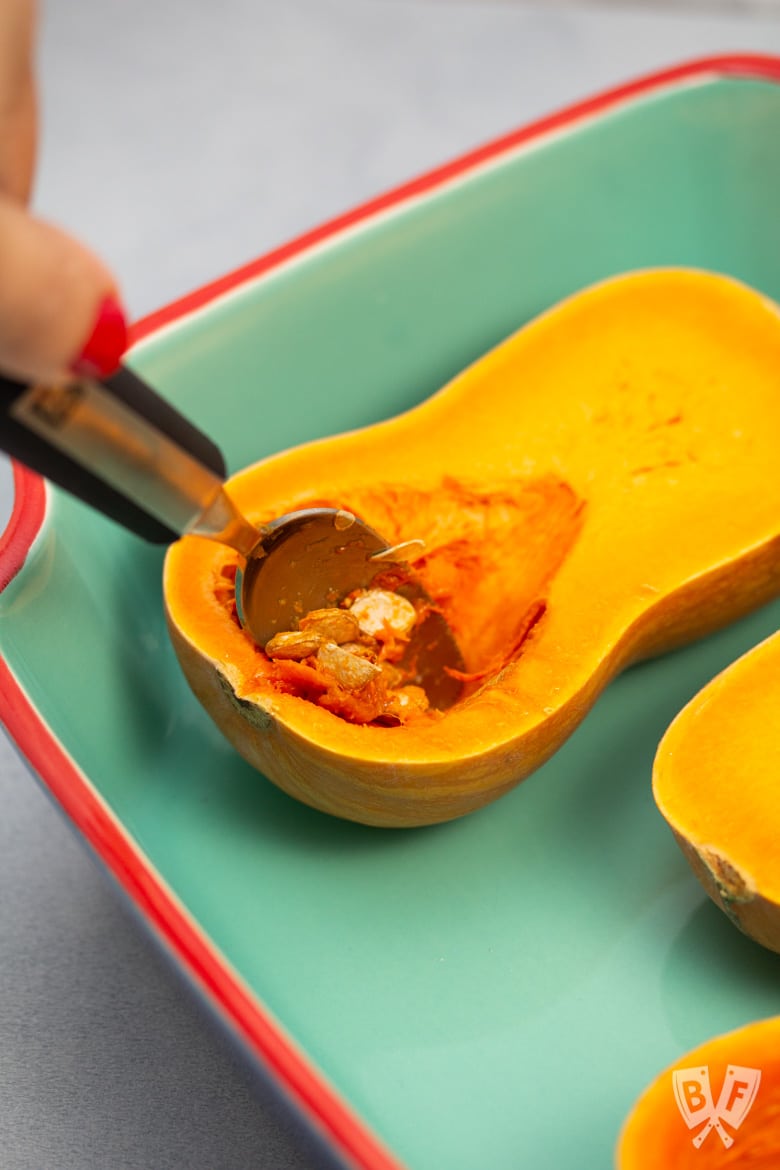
[{"x": 59, "y": 311}]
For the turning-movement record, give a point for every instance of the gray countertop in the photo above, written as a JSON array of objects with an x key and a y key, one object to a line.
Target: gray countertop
[{"x": 182, "y": 139}]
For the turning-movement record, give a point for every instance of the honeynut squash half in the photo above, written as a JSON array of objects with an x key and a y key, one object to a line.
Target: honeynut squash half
[
  {"x": 716, "y": 1108},
  {"x": 599, "y": 488},
  {"x": 716, "y": 779}
]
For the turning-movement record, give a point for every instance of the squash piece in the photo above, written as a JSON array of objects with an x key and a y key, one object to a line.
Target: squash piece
[
  {"x": 600, "y": 487},
  {"x": 716, "y": 780},
  {"x": 671, "y": 1126}
]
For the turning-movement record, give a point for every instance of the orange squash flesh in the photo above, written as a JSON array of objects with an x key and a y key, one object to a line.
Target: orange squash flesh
[
  {"x": 655, "y": 1135},
  {"x": 610, "y": 469},
  {"x": 715, "y": 780}
]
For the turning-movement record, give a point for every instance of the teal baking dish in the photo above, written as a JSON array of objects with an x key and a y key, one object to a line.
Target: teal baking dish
[{"x": 495, "y": 991}]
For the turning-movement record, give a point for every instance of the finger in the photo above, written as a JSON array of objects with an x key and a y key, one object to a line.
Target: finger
[
  {"x": 52, "y": 292},
  {"x": 17, "y": 98}
]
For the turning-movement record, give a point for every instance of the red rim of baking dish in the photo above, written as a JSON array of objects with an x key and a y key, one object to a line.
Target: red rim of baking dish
[{"x": 302, "y": 1083}]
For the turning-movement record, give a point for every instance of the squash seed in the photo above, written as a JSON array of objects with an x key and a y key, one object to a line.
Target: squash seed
[
  {"x": 295, "y": 644},
  {"x": 333, "y": 625},
  {"x": 378, "y": 611},
  {"x": 349, "y": 670}
]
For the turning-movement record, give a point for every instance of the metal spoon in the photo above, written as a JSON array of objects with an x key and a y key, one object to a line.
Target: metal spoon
[
  {"x": 313, "y": 559},
  {"x": 122, "y": 449}
]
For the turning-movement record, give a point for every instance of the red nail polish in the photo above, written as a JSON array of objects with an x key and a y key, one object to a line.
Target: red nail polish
[{"x": 106, "y": 343}]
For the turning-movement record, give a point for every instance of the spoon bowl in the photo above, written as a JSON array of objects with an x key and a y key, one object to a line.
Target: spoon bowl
[{"x": 313, "y": 559}]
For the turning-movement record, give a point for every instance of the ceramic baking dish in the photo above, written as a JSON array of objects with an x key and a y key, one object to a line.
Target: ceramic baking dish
[{"x": 491, "y": 992}]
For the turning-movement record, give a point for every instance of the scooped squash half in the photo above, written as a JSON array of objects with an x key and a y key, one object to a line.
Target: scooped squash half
[
  {"x": 716, "y": 1108},
  {"x": 600, "y": 487},
  {"x": 716, "y": 779}
]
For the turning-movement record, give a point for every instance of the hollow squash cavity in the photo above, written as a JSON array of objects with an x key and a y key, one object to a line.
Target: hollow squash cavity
[
  {"x": 600, "y": 487},
  {"x": 715, "y": 780}
]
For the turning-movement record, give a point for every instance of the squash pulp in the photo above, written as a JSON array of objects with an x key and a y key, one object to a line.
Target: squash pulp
[{"x": 600, "y": 487}]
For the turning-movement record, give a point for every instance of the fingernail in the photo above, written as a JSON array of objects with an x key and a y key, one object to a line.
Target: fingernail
[{"x": 106, "y": 343}]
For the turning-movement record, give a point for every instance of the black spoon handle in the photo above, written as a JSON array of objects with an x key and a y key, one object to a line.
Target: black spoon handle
[{"x": 118, "y": 446}]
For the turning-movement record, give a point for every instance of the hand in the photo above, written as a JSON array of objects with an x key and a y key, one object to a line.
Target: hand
[{"x": 59, "y": 309}]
